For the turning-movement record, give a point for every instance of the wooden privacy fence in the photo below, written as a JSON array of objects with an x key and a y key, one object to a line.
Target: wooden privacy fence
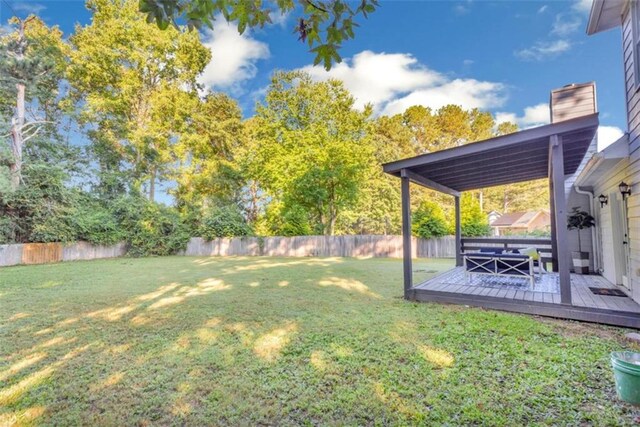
[
  {"x": 306, "y": 246},
  {"x": 300, "y": 246},
  {"x": 41, "y": 253}
]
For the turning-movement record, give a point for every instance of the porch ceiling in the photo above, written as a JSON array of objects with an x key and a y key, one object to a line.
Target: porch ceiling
[{"x": 517, "y": 157}]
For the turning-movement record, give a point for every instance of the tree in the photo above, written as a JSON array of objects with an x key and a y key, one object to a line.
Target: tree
[
  {"x": 209, "y": 140},
  {"x": 310, "y": 148},
  {"x": 377, "y": 208},
  {"x": 127, "y": 90},
  {"x": 32, "y": 61},
  {"x": 473, "y": 221},
  {"x": 429, "y": 220},
  {"x": 323, "y": 24}
]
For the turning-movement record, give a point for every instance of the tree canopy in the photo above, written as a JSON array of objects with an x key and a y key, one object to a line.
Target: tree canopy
[
  {"x": 120, "y": 143},
  {"x": 322, "y": 24}
]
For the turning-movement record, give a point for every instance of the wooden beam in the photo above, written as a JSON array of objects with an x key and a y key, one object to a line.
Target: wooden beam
[
  {"x": 560, "y": 213},
  {"x": 425, "y": 182},
  {"x": 406, "y": 235},
  {"x": 458, "y": 233}
]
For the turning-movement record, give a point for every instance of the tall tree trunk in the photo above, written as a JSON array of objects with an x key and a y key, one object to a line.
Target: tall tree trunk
[
  {"x": 481, "y": 198},
  {"x": 17, "y": 125},
  {"x": 17, "y": 140},
  {"x": 152, "y": 184},
  {"x": 252, "y": 213}
]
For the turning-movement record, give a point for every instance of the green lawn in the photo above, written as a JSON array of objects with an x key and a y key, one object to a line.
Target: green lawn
[{"x": 265, "y": 341}]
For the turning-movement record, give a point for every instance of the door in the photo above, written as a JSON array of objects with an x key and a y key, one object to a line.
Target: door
[{"x": 621, "y": 244}]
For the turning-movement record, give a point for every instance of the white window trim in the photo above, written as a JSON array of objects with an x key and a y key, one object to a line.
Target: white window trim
[{"x": 635, "y": 33}]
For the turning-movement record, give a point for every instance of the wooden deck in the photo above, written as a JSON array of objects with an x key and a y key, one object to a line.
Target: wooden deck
[{"x": 450, "y": 287}]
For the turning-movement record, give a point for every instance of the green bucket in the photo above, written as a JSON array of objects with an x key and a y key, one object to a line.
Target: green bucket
[{"x": 626, "y": 369}]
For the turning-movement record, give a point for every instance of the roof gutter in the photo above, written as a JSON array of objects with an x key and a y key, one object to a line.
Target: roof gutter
[{"x": 594, "y": 17}]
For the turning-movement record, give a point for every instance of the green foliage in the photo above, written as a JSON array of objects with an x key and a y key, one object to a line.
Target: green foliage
[
  {"x": 473, "y": 221},
  {"x": 135, "y": 98},
  {"x": 429, "y": 221},
  {"x": 308, "y": 147},
  {"x": 226, "y": 221},
  {"x": 579, "y": 219},
  {"x": 149, "y": 228},
  {"x": 38, "y": 211},
  {"x": 308, "y": 162},
  {"x": 93, "y": 222},
  {"x": 323, "y": 25}
]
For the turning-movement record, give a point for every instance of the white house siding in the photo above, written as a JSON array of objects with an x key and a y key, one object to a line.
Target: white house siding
[
  {"x": 632, "y": 173},
  {"x": 608, "y": 185}
]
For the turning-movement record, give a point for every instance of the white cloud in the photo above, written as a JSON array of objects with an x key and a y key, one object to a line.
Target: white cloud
[
  {"x": 582, "y": 6},
  {"x": 233, "y": 56},
  {"x": 538, "y": 115},
  {"x": 468, "y": 93},
  {"x": 280, "y": 19},
  {"x": 544, "y": 50},
  {"x": 565, "y": 25},
  {"x": 608, "y": 135},
  {"x": 28, "y": 7},
  {"x": 543, "y": 9},
  {"x": 535, "y": 115},
  {"x": 394, "y": 81},
  {"x": 6, "y": 29},
  {"x": 461, "y": 9}
]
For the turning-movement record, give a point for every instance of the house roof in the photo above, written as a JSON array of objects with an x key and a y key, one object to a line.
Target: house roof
[
  {"x": 605, "y": 15},
  {"x": 603, "y": 162},
  {"x": 516, "y": 219},
  {"x": 517, "y": 157}
]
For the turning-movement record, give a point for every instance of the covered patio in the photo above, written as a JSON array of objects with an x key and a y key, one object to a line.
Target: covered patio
[{"x": 554, "y": 151}]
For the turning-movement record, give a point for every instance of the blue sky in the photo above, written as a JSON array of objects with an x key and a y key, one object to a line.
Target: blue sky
[{"x": 502, "y": 56}]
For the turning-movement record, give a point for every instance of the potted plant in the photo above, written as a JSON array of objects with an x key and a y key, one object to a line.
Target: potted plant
[{"x": 579, "y": 220}]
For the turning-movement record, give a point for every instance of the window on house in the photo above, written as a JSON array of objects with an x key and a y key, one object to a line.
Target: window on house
[{"x": 635, "y": 28}]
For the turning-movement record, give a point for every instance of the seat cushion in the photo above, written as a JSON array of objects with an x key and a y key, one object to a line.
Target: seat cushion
[{"x": 491, "y": 250}]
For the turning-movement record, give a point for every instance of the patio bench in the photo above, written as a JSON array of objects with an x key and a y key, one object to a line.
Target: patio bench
[{"x": 499, "y": 264}]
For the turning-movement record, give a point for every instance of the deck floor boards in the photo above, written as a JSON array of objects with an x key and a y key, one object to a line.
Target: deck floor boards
[{"x": 581, "y": 295}]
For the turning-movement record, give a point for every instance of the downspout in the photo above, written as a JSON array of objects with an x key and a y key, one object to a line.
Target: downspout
[{"x": 594, "y": 236}]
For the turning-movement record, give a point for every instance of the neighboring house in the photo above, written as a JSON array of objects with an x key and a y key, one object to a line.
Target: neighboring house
[
  {"x": 616, "y": 239},
  {"x": 521, "y": 223}
]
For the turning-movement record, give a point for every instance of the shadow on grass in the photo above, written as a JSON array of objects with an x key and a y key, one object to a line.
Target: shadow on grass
[{"x": 249, "y": 341}]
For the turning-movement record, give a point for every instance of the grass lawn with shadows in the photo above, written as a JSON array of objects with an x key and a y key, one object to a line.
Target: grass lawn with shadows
[{"x": 284, "y": 341}]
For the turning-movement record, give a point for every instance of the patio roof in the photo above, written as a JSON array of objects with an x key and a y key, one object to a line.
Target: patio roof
[{"x": 517, "y": 157}]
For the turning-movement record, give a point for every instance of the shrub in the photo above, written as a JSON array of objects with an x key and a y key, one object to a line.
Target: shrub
[
  {"x": 226, "y": 221},
  {"x": 150, "y": 228},
  {"x": 429, "y": 221},
  {"x": 96, "y": 224},
  {"x": 474, "y": 222},
  {"x": 284, "y": 220}
]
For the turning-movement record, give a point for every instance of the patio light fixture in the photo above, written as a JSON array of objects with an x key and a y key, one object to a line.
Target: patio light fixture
[
  {"x": 604, "y": 200},
  {"x": 625, "y": 190}
]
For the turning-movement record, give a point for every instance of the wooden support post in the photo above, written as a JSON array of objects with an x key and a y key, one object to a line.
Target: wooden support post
[
  {"x": 552, "y": 208},
  {"x": 458, "y": 233},
  {"x": 560, "y": 214},
  {"x": 406, "y": 234}
]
